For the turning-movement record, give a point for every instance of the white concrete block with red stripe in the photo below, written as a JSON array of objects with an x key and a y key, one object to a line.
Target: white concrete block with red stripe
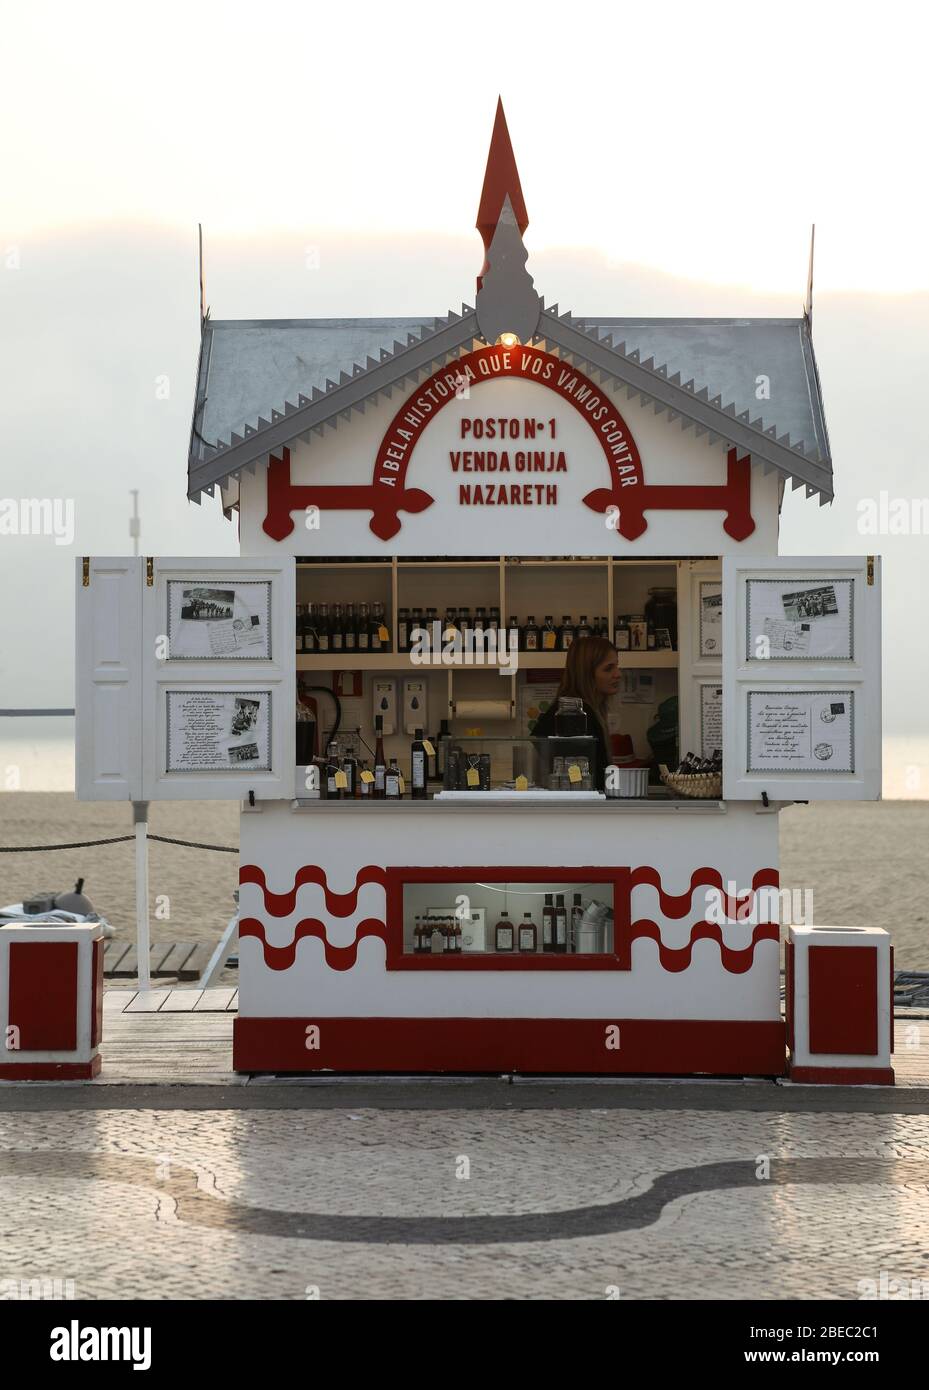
[
  {"x": 51, "y": 1001},
  {"x": 840, "y": 1005}
]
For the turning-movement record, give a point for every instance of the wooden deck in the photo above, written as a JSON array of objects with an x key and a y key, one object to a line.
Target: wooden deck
[
  {"x": 175, "y": 1037},
  {"x": 179, "y": 960}
]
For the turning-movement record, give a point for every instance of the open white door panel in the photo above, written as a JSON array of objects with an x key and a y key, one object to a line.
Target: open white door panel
[
  {"x": 186, "y": 679},
  {"x": 699, "y": 627},
  {"x": 801, "y": 678}
]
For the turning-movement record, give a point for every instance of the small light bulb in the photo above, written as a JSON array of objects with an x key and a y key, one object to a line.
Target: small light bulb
[{"x": 508, "y": 340}]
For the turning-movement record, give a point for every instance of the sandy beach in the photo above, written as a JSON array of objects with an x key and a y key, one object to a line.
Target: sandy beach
[{"x": 865, "y": 863}]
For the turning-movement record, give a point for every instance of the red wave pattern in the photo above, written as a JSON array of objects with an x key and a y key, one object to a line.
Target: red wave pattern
[
  {"x": 337, "y": 957},
  {"x": 674, "y": 959},
  {"x": 338, "y": 904},
  {"x": 678, "y": 905}
]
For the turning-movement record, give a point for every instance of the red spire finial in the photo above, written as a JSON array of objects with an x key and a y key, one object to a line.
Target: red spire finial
[{"x": 501, "y": 177}]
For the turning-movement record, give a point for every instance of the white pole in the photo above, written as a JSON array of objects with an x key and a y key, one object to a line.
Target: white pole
[{"x": 143, "y": 944}]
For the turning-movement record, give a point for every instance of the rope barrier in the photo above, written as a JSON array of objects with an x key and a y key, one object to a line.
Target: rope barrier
[{"x": 116, "y": 840}]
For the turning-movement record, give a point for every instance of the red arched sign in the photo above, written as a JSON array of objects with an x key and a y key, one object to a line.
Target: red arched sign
[{"x": 387, "y": 495}]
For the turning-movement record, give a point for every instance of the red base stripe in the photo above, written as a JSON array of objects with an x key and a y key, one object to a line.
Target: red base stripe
[
  {"x": 50, "y": 1071},
  {"x": 658, "y": 1047},
  {"x": 844, "y": 1076}
]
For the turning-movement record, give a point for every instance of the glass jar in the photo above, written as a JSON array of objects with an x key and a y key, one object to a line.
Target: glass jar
[{"x": 570, "y": 719}]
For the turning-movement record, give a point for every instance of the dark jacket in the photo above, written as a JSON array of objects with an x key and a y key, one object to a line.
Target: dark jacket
[{"x": 544, "y": 727}]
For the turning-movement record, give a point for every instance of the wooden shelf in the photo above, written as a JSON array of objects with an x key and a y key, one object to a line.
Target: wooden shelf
[{"x": 526, "y": 661}]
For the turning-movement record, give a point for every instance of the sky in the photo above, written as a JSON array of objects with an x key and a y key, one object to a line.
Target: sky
[{"x": 672, "y": 158}]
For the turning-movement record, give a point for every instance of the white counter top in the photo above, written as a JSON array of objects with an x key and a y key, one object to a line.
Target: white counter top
[{"x": 479, "y": 804}]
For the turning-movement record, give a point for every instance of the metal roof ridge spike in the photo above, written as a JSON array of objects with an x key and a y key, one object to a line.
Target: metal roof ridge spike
[
  {"x": 501, "y": 187},
  {"x": 507, "y": 300}
]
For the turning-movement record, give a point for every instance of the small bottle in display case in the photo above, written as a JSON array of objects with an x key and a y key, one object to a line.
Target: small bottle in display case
[
  {"x": 380, "y": 764},
  {"x": 621, "y": 637},
  {"x": 418, "y": 768},
  {"x": 322, "y": 630},
  {"x": 583, "y": 628},
  {"x": 528, "y": 934},
  {"x": 548, "y": 924},
  {"x": 337, "y": 630},
  {"x": 403, "y": 629},
  {"x": 350, "y": 629},
  {"x": 561, "y": 925},
  {"x": 503, "y": 933},
  {"x": 418, "y": 937},
  {"x": 437, "y": 940},
  {"x": 549, "y": 637},
  {"x": 530, "y": 635},
  {"x": 565, "y": 633}
]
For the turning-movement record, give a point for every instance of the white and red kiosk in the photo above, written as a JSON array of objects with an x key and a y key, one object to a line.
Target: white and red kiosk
[{"x": 514, "y": 456}]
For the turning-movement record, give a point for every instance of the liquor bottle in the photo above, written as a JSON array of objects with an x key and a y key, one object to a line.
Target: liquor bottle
[
  {"x": 432, "y": 625},
  {"x": 583, "y": 627},
  {"x": 363, "y": 640},
  {"x": 418, "y": 768},
  {"x": 465, "y": 625},
  {"x": 603, "y": 628},
  {"x": 577, "y": 912},
  {"x": 380, "y": 766},
  {"x": 456, "y": 947},
  {"x": 333, "y": 767},
  {"x": 513, "y": 635},
  {"x": 441, "y": 745},
  {"x": 437, "y": 940},
  {"x": 650, "y": 639},
  {"x": 549, "y": 636},
  {"x": 311, "y": 624},
  {"x": 621, "y": 634},
  {"x": 403, "y": 630},
  {"x": 322, "y": 629},
  {"x": 503, "y": 933},
  {"x": 375, "y": 622},
  {"x": 350, "y": 768},
  {"x": 448, "y": 932},
  {"x": 450, "y": 628},
  {"x": 350, "y": 629},
  {"x": 528, "y": 933},
  {"x": 480, "y": 620},
  {"x": 418, "y": 937},
  {"x": 365, "y": 787},
  {"x": 548, "y": 924},
  {"x": 530, "y": 635},
  {"x": 561, "y": 925},
  {"x": 565, "y": 633},
  {"x": 392, "y": 781},
  {"x": 337, "y": 629},
  {"x": 493, "y": 622}
]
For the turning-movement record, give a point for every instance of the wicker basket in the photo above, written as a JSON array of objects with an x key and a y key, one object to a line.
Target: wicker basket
[{"x": 700, "y": 785}]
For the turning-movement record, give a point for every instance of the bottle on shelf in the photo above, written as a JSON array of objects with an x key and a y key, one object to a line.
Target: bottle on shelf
[
  {"x": 548, "y": 924},
  {"x": 621, "y": 634},
  {"x": 403, "y": 630},
  {"x": 436, "y": 937},
  {"x": 503, "y": 933},
  {"x": 513, "y": 635},
  {"x": 380, "y": 765},
  {"x": 458, "y": 937},
  {"x": 480, "y": 619},
  {"x": 565, "y": 633},
  {"x": 300, "y": 628},
  {"x": 577, "y": 912},
  {"x": 311, "y": 624},
  {"x": 531, "y": 642},
  {"x": 350, "y": 629},
  {"x": 528, "y": 934},
  {"x": 418, "y": 937},
  {"x": 464, "y": 623},
  {"x": 418, "y": 770},
  {"x": 448, "y": 928},
  {"x": 583, "y": 628},
  {"x": 493, "y": 621},
  {"x": 365, "y": 787},
  {"x": 392, "y": 781},
  {"x": 376, "y": 628},
  {"x": 363, "y": 641},
  {"x": 350, "y": 768},
  {"x": 549, "y": 637},
  {"x": 333, "y": 768},
  {"x": 323, "y": 629},
  {"x": 337, "y": 629},
  {"x": 561, "y": 925},
  {"x": 450, "y": 628}
]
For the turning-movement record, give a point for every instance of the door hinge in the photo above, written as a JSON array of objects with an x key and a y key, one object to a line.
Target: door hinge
[
  {"x": 149, "y": 571},
  {"x": 870, "y": 569},
  {"x": 86, "y": 572}
]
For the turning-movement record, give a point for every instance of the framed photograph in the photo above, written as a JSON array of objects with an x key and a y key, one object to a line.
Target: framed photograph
[
  {"x": 711, "y": 618},
  {"x": 218, "y": 730},
  {"x": 218, "y": 620},
  {"x": 799, "y": 619},
  {"x": 801, "y": 731}
]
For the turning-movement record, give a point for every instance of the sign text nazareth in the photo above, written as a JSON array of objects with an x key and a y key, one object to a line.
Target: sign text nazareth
[
  {"x": 529, "y": 364},
  {"x": 507, "y": 461}
]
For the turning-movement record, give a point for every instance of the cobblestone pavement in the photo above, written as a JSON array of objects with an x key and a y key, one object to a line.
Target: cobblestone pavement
[{"x": 403, "y": 1203}]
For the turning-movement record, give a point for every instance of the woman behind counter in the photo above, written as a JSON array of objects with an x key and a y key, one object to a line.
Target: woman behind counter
[{"x": 592, "y": 674}]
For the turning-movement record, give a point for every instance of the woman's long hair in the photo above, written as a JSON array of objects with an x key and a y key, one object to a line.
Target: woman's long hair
[{"x": 579, "y": 677}]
